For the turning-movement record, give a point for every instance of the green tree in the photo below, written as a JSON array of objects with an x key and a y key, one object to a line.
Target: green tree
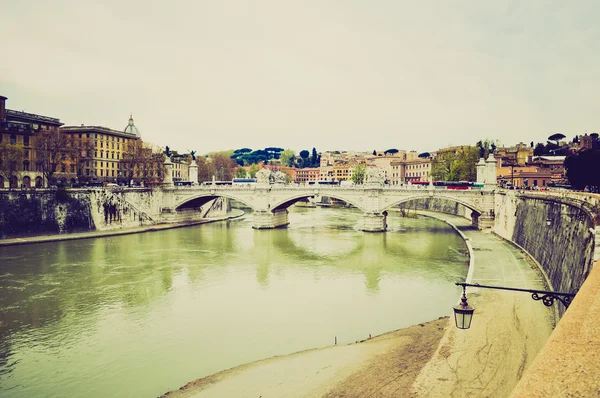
[
  {"x": 304, "y": 154},
  {"x": 240, "y": 172},
  {"x": 556, "y": 138},
  {"x": 314, "y": 158},
  {"x": 287, "y": 157},
  {"x": 582, "y": 169},
  {"x": 459, "y": 165},
  {"x": 539, "y": 150},
  {"x": 359, "y": 174},
  {"x": 253, "y": 170}
]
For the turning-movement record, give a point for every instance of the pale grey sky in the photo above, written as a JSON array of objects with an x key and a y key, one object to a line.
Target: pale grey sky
[{"x": 335, "y": 75}]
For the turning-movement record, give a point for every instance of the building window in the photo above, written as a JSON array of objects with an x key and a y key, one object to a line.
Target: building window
[
  {"x": 26, "y": 141},
  {"x": 26, "y": 165},
  {"x": 38, "y": 182},
  {"x": 13, "y": 139}
]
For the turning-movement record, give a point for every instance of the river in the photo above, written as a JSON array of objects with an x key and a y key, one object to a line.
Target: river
[{"x": 139, "y": 315}]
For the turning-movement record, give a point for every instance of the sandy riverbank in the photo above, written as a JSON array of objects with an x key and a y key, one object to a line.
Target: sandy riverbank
[{"x": 386, "y": 365}]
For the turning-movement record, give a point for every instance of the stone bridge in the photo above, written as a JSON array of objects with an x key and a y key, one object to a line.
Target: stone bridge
[{"x": 270, "y": 202}]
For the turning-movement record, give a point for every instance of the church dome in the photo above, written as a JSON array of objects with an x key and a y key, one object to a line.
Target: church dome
[{"x": 131, "y": 129}]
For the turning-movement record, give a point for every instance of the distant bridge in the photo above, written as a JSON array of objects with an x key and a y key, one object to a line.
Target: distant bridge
[{"x": 270, "y": 202}]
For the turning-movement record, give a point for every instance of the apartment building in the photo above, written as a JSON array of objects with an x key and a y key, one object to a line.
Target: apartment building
[
  {"x": 18, "y": 133},
  {"x": 105, "y": 150}
]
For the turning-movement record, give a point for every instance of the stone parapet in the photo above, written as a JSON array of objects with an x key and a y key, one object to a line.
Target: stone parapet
[{"x": 569, "y": 363}]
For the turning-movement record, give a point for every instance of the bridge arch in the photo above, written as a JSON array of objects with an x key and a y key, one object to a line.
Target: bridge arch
[
  {"x": 449, "y": 198},
  {"x": 287, "y": 202},
  {"x": 202, "y": 198}
]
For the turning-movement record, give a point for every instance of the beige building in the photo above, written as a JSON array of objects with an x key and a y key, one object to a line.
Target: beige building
[
  {"x": 307, "y": 174},
  {"x": 515, "y": 155},
  {"x": 418, "y": 170},
  {"x": 107, "y": 149},
  {"x": 181, "y": 167}
]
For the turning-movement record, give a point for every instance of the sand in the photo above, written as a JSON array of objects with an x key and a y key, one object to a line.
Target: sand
[{"x": 383, "y": 366}]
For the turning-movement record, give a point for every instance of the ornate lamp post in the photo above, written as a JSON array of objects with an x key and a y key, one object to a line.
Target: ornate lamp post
[{"x": 463, "y": 313}]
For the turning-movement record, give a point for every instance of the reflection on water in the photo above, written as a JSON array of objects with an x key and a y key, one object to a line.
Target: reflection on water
[{"x": 143, "y": 314}]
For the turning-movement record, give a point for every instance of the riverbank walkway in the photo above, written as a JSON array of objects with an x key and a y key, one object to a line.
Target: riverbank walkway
[
  {"x": 507, "y": 332},
  {"x": 508, "y": 328}
]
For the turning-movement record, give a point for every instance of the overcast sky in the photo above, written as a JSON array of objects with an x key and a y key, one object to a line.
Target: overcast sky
[{"x": 335, "y": 75}]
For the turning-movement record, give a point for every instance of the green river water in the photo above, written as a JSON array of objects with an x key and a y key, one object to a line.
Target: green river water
[{"x": 139, "y": 315}]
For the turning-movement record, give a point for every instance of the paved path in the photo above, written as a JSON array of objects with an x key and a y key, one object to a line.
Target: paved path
[{"x": 508, "y": 328}]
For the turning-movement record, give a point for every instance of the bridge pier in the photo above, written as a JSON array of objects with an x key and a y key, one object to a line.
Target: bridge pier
[
  {"x": 375, "y": 222},
  {"x": 264, "y": 219}
]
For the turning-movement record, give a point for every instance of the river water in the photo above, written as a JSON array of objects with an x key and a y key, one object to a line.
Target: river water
[{"x": 139, "y": 315}]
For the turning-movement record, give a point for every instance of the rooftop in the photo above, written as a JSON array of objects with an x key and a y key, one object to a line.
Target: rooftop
[
  {"x": 31, "y": 117},
  {"x": 96, "y": 129}
]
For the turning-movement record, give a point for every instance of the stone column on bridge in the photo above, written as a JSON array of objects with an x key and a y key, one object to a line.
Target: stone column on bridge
[
  {"x": 168, "y": 170},
  {"x": 193, "y": 173},
  {"x": 167, "y": 211},
  {"x": 487, "y": 217},
  {"x": 375, "y": 222},
  {"x": 490, "y": 168},
  {"x": 264, "y": 217},
  {"x": 270, "y": 219},
  {"x": 481, "y": 171}
]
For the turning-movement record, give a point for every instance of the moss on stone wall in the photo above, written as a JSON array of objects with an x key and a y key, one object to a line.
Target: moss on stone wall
[{"x": 41, "y": 213}]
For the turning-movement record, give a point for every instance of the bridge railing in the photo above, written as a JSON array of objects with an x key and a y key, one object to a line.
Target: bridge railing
[{"x": 293, "y": 187}]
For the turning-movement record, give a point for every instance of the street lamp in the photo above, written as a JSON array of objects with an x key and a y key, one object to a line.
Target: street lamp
[{"x": 463, "y": 313}]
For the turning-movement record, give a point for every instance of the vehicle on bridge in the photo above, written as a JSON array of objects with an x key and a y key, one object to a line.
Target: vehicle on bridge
[
  {"x": 458, "y": 185},
  {"x": 217, "y": 183},
  {"x": 323, "y": 183},
  {"x": 243, "y": 181}
]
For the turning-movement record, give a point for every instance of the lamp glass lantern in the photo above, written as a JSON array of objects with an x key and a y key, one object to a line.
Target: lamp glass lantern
[{"x": 463, "y": 313}]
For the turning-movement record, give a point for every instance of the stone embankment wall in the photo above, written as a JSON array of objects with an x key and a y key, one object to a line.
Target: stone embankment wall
[
  {"x": 45, "y": 212},
  {"x": 438, "y": 205},
  {"x": 558, "y": 234},
  {"x": 111, "y": 210}
]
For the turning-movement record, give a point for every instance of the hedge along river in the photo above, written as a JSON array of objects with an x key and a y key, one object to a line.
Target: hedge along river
[{"x": 139, "y": 315}]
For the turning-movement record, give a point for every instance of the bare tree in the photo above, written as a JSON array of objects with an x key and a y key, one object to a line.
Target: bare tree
[
  {"x": 11, "y": 156},
  {"x": 54, "y": 149}
]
